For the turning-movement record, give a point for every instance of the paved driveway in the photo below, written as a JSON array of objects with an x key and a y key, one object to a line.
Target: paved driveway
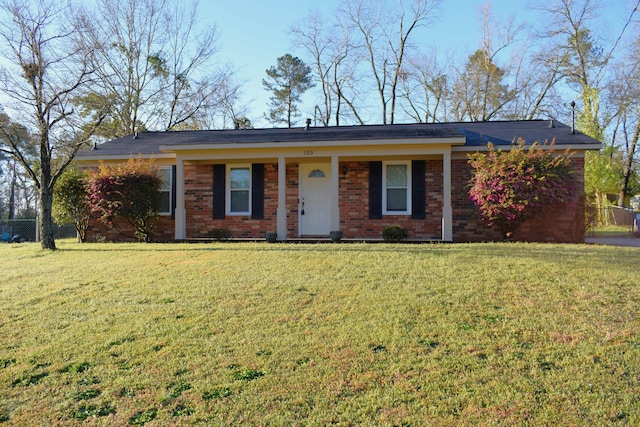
[{"x": 630, "y": 241}]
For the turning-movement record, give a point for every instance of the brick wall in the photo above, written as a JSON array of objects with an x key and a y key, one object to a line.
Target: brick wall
[
  {"x": 123, "y": 231},
  {"x": 198, "y": 201},
  {"x": 564, "y": 224},
  {"x": 292, "y": 178},
  {"x": 467, "y": 225},
  {"x": 354, "y": 205},
  {"x": 561, "y": 225},
  {"x": 164, "y": 230}
]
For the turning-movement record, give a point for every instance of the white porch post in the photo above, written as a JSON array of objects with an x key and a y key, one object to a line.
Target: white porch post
[
  {"x": 281, "y": 215},
  {"x": 447, "y": 211},
  {"x": 181, "y": 213},
  {"x": 335, "y": 194}
]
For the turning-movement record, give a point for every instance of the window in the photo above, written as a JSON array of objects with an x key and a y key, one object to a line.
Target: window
[
  {"x": 396, "y": 194},
  {"x": 165, "y": 190},
  {"x": 239, "y": 190}
]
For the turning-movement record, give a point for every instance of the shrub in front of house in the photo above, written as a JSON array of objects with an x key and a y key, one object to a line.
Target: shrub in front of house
[
  {"x": 509, "y": 187},
  {"x": 130, "y": 191},
  {"x": 395, "y": 234},
  {"x": 71, "y": 201},
  {"x": 219, "y": 234}
]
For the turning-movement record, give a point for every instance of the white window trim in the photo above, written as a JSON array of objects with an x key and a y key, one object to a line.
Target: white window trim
[
  {"x": 228, "y": 189},
  {"x": 384, "y": 187},
  {"x": 171, "y": 178}
]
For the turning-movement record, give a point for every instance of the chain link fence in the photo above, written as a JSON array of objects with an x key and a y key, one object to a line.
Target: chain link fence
[{"x": 27, "y": 229}]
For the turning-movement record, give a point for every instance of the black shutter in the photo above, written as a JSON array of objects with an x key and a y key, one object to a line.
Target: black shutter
[
  {"x": 257, "y": 191},
  {"x": 219, "y": 190},
  {"x": 173, "y": 192},
  {"x": 375, "y": 190},
  {"x": 418, "y": 192}
]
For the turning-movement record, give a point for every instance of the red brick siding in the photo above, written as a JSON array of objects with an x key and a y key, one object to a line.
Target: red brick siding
[
  {"x": 123, "y": 231},
  {"x": 467, "y": 225},
  {"x": 198, "y": 198},
  {"x": 354, "y": 205},
  {"x": 565, "y": 224},
  {"x": 292, "y": 177},
  {"x": 562, "y": 225},
  {"x": 199, "y": 205}
]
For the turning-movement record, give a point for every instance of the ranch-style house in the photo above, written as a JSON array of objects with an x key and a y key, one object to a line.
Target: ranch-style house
[{"x": 304, "y": 183}]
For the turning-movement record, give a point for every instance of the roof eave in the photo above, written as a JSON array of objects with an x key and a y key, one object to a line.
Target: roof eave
[
  {"x": 93, "y": 159},
  {"x": 171, "y": 148},
  {"x": 581, "y": 147}
]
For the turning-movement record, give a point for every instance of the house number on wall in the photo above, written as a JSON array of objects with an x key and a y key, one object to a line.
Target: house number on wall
[{"x": 308, "y": 153}]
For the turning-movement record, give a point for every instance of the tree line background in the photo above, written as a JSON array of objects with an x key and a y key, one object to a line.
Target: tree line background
[{"x": 76, "y": 74}]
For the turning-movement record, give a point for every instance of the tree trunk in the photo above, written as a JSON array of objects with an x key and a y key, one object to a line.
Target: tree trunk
[
  {"x": 12, "y": 194},
  {"x": 628, "y": 163},
  {"x": 289, "y": 107},
  {"x": 46, "y": 193},
  {"x": 47, "y": 240}
]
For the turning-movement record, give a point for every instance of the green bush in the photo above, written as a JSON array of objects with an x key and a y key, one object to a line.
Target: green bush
[
  {"x": 71, "y": 201},
  {"x": 395, "y": 234},
  {"x": 219, "y": 234}
]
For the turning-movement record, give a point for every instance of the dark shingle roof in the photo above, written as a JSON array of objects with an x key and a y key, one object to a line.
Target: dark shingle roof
[
  {"x": 505, "y": 133},
  {"x": 477, "y": 134}
]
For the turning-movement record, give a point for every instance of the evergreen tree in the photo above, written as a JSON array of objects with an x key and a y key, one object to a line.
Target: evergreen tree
[
  {"x": 288, "y": 80},
  {"x": 480, "y": 89},
  {"x": 71, "y": 202}
]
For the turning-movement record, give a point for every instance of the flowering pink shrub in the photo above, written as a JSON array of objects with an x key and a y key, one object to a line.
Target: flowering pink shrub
[
  {"x": 508, "y": 187},
  {"x": 130, "y": 191}
]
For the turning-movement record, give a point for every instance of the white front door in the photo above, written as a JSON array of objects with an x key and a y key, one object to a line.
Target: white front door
[{"x": 315, "y": 200}]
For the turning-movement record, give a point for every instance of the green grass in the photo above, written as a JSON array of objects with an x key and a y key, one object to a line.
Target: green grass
[
  {"x": 610, "y": 231},
  {"x": 348, "y": 334}
]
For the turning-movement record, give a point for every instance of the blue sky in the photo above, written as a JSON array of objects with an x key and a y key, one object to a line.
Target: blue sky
[{"x": 254, "y": 33}]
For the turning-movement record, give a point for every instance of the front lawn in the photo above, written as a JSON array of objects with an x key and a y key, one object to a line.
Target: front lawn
[{"x": 346, "y": 334}]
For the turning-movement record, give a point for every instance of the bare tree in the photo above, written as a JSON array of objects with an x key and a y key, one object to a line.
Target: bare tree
[
  {"x": 581, "y": 59},
  {"x": 536, "y": 80},
  {"x": 425, "y": 89},
  {"x": 45, "y": 68},
  {"x": 330, "y": 50},
  {"x": 384, "y": 35},
  {"x": 224, "y": 111},
  {"x": 191, "y": 81},
  {"x": 18, "y": 195},
  {"x": 585, "y": 66},
  {"x": 157, "y": 69},
  {"x": 624, "y": 93},
  {"x": 363, "y": 50},
  {"x": 127, "y": 39},
  {"x": 310, "y": 35},
  {"x": 19, "y": 192},
  {"x": 482, "y": 88}
]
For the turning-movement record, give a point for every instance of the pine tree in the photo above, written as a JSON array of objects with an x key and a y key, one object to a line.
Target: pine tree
[{"x": 288, "y": 80}]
